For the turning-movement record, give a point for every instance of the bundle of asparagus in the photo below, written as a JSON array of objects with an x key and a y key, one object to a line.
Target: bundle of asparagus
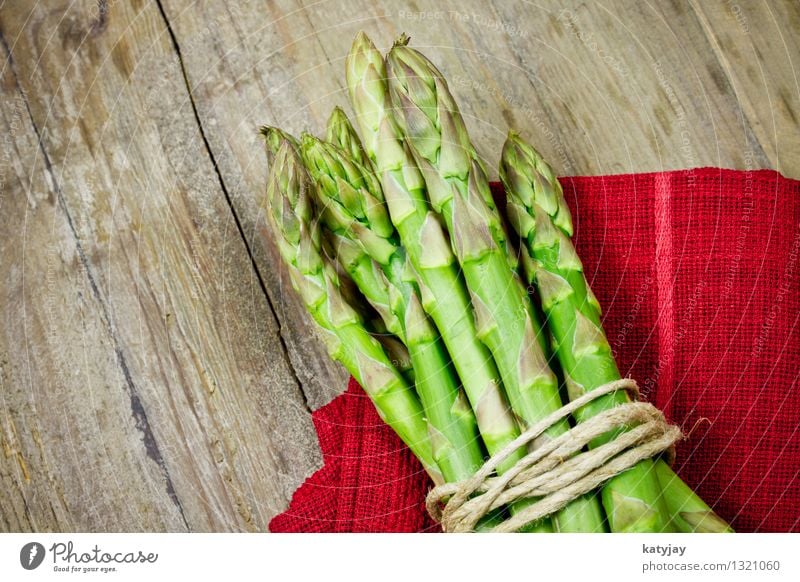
[{"x": 407, "y": 214}]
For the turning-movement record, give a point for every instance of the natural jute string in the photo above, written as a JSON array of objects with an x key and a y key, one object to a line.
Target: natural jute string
[{"x": 558, "y": 471}]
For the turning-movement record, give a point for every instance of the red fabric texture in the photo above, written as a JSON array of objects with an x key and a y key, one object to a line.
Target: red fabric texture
[{"x": 698, "y": 272}]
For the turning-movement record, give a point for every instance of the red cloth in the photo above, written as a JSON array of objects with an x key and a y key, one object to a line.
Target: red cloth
[{"x": 698, "y": 274}]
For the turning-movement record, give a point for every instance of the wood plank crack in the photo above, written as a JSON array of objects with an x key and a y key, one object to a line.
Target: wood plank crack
[{"x": 229, "y": 202}]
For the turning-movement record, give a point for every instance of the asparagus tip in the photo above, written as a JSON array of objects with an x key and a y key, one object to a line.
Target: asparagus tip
[
  {"x": 307, "y": 139},
  {"x": 337, "y": 112},
  {"x": 274, "y": 137},
  {"x": 402, "y": 40},
  {"x": 361, "y": 44}
]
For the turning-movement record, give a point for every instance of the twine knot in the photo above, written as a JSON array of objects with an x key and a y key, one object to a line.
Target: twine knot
[{"x": 560, "y": 470}]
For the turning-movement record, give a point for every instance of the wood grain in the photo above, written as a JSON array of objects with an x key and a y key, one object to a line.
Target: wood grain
[
  {"x": 154, "y": 364},
  {"x": 144, "y": 384}
]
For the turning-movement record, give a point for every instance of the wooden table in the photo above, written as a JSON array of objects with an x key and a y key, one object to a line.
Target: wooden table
[{"x": 156, "y": 371}]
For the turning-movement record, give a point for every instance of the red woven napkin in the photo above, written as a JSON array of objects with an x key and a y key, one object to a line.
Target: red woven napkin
[{"x": 698, "y": 274}]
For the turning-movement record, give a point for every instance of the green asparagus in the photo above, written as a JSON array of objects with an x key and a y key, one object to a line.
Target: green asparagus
[
  {"x": 352, "y": 201},
  {"x": 444, "y": 296},
  {"x": 406, "y": 221},
  {"x": 458, "y": 189},
  {"x": 537, "y": 210},
  {"x": 290, "y": 215}
]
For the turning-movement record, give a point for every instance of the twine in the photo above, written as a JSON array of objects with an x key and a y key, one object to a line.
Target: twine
[{"x": 558, "y": 471}]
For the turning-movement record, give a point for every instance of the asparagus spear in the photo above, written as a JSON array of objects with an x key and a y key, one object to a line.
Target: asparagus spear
[
  {"x": 353, "y": 205},
  {"x": 538, "y": 212},
  {"x": 289, "y": 212},
  {"x": 458, "y": 189},
  {"x": 444, "y": 296},
  {"x": 387, "y": 328}
]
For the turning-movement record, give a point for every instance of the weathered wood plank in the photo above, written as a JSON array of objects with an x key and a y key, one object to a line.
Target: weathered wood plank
[
  {"x": 128, "y": 291},
  {"x": 602, "y": 87},
  {"x": 144, "y": 386},
  {"x": 758, "y": 46},
  {"x": 63, "y": 392}
]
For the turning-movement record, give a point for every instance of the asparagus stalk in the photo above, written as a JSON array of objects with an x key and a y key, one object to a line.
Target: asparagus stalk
[
  {"x": 444, "y": 296},
  {"x": 458, "y": 189},
  {"x": 374, "y": 287},
  {"x": 538, "y": 212},
  {"x": 353, "y": 206},
  {"x": 690, "y": 514},
  {"x": 398, "y": 354},
  {"x": 289, "y": 212}
]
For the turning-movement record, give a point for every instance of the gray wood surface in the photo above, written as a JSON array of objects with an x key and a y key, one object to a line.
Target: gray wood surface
[{"x": 156, "y": 371}]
